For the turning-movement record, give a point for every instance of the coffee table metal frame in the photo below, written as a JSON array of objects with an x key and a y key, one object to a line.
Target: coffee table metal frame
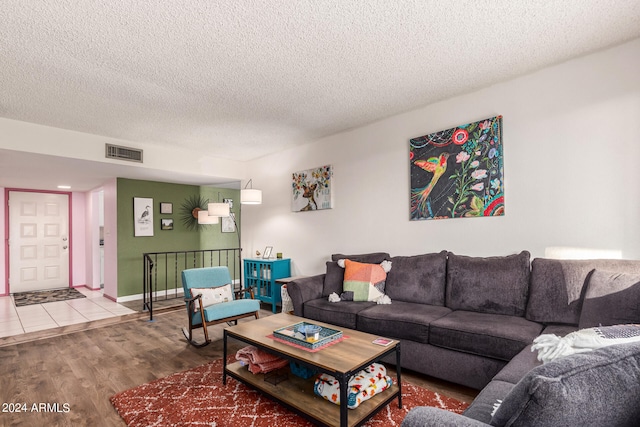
[{"x": 306, "y": 359}]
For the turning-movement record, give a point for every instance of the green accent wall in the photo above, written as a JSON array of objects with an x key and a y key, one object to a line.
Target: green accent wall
[{"x": 181, "y": 238}]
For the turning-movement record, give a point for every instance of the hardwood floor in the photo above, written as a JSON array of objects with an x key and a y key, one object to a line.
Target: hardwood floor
[{"x": 76, "y": 372}]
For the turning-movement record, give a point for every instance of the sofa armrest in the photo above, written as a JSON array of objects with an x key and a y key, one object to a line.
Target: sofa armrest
[
  {"x": 303, "y": 290},
  {"x": 425, "y": 416}
]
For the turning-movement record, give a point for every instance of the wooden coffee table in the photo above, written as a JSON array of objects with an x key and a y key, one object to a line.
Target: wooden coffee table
[{"x": 341, "y": 360}]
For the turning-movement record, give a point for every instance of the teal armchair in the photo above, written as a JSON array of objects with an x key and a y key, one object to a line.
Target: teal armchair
[{"x": 226, "y": 305}]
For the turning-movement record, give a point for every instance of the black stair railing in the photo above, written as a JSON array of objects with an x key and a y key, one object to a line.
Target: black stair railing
[{"x": 162, "y": 279}]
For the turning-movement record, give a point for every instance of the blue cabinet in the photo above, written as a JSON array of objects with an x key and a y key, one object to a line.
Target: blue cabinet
[{"x": 261, "y": 275}]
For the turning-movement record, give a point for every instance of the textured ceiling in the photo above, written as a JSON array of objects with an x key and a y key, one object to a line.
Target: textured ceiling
[{"x": 243, "y": 78}]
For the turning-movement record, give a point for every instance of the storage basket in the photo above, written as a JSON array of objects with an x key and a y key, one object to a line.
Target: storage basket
[{"x": 301, "y": 370}]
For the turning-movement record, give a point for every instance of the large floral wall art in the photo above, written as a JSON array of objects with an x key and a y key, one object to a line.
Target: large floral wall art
[
  {"x": 458, "y": 172},
  {"x": 312, "y": 189}
]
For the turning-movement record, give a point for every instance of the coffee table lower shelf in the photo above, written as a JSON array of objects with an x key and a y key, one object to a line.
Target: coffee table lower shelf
[{"x": 297, "y": 394}]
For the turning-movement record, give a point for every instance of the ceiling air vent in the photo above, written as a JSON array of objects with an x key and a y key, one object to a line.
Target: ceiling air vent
[{"x": 123, "y": 153}]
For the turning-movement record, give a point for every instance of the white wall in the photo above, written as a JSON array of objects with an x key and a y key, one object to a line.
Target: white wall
[
  {"x": 571, "y": 153},
  {"x": 93, "y": 216},
  {"x": 110, "y": 240}
]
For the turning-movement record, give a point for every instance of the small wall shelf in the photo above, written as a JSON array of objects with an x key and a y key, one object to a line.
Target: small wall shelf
[{"x": 261, "y": 274}]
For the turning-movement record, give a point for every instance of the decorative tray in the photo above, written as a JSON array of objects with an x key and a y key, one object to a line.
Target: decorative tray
[{"x": 293, "y": 334}]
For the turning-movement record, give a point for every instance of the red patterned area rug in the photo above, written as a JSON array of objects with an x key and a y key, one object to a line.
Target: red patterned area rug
[{"x": 197, "y": 397}]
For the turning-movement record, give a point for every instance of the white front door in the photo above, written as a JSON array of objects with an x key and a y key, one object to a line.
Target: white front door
[{"x": 38, "y": 241}]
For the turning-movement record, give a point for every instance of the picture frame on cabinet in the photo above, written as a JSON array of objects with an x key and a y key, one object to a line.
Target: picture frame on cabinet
[{"x": 267, "y": 252}]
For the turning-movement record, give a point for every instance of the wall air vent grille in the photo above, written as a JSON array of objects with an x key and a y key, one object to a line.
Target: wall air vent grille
[{"x": 123, "y": 153}]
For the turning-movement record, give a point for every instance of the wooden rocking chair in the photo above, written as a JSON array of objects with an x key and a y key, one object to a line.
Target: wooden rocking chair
[{"x": 210, "y": 284}]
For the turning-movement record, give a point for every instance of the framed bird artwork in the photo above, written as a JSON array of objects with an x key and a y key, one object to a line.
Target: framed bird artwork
[
  {"x": 458, "y": 172},
  {"x": 142, "y": 216}
]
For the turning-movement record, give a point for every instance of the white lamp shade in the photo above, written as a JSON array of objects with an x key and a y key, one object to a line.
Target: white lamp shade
[
  {"x": 205, "y": 218},
  {"x": 250, "y": 196},
  {"x": 218, "y": 209}
]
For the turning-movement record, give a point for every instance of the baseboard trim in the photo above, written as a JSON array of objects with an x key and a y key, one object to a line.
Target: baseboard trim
[{"x": 169, "y": 292}]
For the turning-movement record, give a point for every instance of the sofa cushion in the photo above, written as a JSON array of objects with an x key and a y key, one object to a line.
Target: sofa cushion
[
  {"x": 518, "y": 367},
  {"x": 343, "y": 313},
  {"x": 489, "y": 335},
  {"x": 483, "y": 406},
  {"x": 372, "y": 258},
  {"x": 600, "y": 388},
  {"x": 400, "y": 320},
  {"x": 497, "y": 285},
  {"x": 334, "y": 277},
  {"x": 420, "y": 279},
  {"x": 559, "y": 330},
  {"x": 611, "y": 299},
  {"x": 366, "y": 281},
  {"x": 526, "y": 360},
  {"x": 557, "y": 286},
  {"x": 428, "y": 416}
]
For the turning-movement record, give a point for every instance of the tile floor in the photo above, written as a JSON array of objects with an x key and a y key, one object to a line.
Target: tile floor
[{"x": 30, "y": 318}]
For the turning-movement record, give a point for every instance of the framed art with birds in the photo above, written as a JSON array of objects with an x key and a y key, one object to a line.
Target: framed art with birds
[
  {"x": 142, "y": 216},
  {"x": 458, "y": 172}
]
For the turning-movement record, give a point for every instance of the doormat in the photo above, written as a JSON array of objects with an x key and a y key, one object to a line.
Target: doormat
[
  {"x": 198, "y": 397},
  {"x": 41, "y": 297}
]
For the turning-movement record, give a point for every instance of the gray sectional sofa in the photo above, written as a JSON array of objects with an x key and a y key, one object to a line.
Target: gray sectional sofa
[{"x": 472, "y": 320}]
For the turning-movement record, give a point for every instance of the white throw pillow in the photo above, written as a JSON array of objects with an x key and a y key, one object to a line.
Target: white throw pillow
[{"x": 211, "y": 296}]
